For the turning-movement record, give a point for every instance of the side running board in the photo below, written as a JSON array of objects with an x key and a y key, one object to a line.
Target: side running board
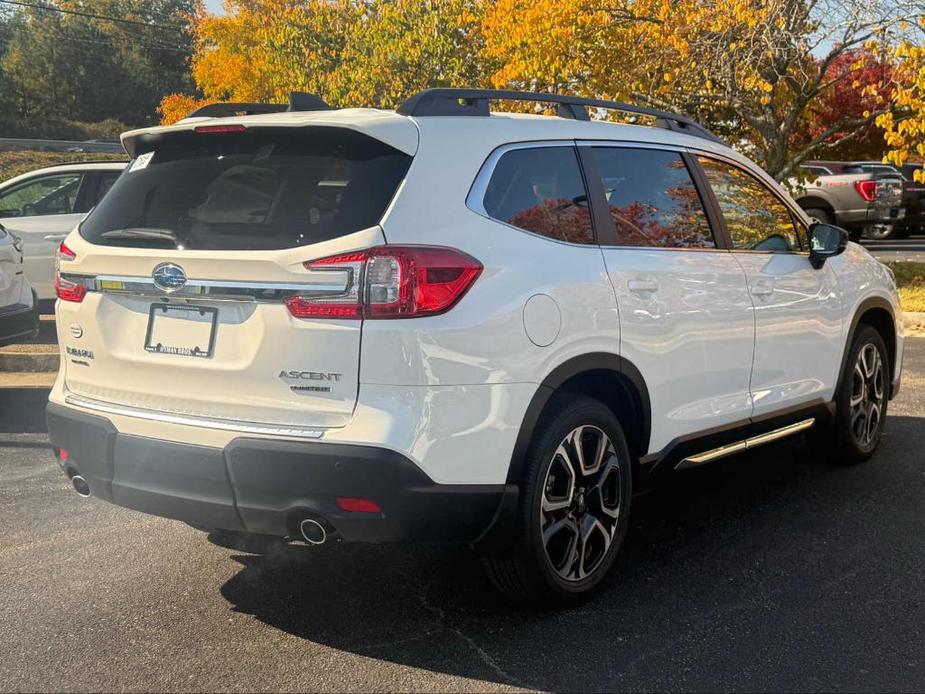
[{"x": 744, "y": 445}]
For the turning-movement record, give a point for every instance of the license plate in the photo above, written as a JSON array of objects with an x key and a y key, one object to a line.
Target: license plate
[{"x": 180, "y": 329}]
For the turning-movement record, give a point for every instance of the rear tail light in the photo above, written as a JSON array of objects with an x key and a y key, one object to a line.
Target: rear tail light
[
  {"x": 867, "y": 190},
  {"x": 67, "y": 290},
  {"x": 392, "y": 282}
]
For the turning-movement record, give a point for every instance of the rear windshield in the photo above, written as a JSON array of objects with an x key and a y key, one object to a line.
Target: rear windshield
[{"x": 261, "y": 189}]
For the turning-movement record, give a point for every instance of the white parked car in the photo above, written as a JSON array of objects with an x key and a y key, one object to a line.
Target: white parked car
[
  {"x": 19, "y": 307},
  {"x": 442, "y": 324},
  {"x": 43, "y": 206}
]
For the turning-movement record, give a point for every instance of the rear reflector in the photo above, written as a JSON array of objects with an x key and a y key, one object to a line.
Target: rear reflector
[
  {"x": 358, "y": 505},
  {"x": 66, "y": 289},
  {"x": 392, "y": 282},
  {"x": 230, "y": 128}
]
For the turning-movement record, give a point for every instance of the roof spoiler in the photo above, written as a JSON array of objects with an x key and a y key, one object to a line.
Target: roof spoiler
[
  {"x": 298, "y": 101},
  {"x": 475, "y": 102}
]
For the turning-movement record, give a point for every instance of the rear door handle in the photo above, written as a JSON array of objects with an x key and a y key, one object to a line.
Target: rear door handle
[{"x": 643, "y": 285}]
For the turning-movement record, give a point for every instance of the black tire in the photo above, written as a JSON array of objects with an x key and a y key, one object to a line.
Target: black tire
[
  {"x": 529, "y": 572},
  {"x": 855, "y": 235},
  {"x": 821, "y": 214},
  {"x": 880, "y": 232},
  {"x": 841, "y": 440}
]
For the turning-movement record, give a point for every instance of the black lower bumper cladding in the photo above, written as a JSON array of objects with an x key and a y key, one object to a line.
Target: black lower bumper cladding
[
  {"x": 269, "y": 486},
  {"x": 19, "y": 323}
]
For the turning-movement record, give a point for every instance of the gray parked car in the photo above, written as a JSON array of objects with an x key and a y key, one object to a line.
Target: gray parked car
[
  {"x": 19, "y": 313},
  {"x": 863, "y": 201}
]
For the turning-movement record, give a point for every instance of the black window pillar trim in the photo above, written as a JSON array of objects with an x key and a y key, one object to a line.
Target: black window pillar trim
[
  {"x": 605, "y": 231},
  {"x": 708, "y": 199}
]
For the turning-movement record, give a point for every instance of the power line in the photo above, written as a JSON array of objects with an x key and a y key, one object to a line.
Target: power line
[
  {"x": 152, "y": 46},
  {"x": 91, "y": 15}
]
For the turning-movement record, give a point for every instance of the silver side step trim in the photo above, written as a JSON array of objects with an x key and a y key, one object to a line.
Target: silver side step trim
[
  {"x": 745, "y": 444},
  {"x": 192, "y": 420}
]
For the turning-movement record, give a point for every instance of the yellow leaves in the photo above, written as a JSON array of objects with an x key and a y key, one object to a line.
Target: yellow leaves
[
  {"x": 906, "y": 135},
  {"x": 173, "y": 107}
]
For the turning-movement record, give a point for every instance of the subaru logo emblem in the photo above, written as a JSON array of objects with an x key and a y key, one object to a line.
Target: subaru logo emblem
[{"x": 168, "y": 277}]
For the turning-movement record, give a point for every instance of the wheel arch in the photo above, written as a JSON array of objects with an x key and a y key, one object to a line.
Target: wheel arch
[
  {"x": 878, "y": 313},
  {"x": 816, "y": 201},
  {"x": 613, "y": 380}
]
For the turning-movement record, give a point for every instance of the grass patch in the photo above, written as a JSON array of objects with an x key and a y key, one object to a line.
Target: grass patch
[
  {"x": 15, "y": 162},
  {"x": 910, "y": 279}
]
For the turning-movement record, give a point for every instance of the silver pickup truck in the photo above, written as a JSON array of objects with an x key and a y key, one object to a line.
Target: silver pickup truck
[{"x": 858, "y": 202}]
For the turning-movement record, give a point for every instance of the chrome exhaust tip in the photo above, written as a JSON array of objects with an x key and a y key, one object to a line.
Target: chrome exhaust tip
[
  {"x": 80, "y": 486},
  {"x": 313, "y": 532}
]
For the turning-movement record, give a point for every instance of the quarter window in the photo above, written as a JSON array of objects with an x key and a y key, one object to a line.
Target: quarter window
[
  {"x": 756, "y": 218},
  {"x": 45, "y": 195},
  {"x": 540, "y": 189},
  {"x": 652, "y": 198}
]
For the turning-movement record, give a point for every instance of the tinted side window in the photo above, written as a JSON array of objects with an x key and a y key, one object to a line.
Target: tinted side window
[
  {"x": 756, "y": 218},
  {"x": 652, "y": 199},
  {"x": 541, "y": 190},
  {"x": 55, "y": 194}
]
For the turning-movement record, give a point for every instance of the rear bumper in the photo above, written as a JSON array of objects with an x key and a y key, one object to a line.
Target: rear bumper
[
  {"x": 19, "y": 323},
  {"x": 268, "y": 486},
  {"x": 875, "y": 214}
]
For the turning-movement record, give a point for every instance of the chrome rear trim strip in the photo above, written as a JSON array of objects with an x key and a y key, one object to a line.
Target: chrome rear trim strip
[
  {"x": 220, "y": 290},
  {"x": 192, "y": 420},
  {"x": 745, "y": 444}
]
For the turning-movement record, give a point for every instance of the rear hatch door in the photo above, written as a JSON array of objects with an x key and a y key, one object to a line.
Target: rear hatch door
[{"x": 189, "y": 261}]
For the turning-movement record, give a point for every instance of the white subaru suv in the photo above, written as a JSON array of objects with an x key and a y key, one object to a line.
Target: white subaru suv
[{"x": 441, "y": 324}]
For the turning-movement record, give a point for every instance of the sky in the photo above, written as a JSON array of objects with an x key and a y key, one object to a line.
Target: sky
[{"x": 214, "y": 5}]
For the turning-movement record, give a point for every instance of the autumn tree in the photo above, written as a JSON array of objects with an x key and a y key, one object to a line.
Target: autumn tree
[
  {"x": 861, "y": 84},
  {"x": 372, "y": 53},
  {"x": 905, "y": 126},
  {"x": 750, "y": 69},
  {"x": 93, "y": 59}
]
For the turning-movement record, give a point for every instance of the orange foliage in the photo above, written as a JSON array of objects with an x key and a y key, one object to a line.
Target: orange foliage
[{"x": 176, "y": 106}]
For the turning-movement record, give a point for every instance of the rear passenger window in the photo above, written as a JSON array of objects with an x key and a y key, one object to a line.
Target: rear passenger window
[
  {"x": 756, "y": 218},
  {"x": 541, "y": 190},
  {"x": 652, "y": 199}
]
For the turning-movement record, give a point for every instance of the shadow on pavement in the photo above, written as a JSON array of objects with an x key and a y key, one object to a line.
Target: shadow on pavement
[{"x": 768, "y": 571}]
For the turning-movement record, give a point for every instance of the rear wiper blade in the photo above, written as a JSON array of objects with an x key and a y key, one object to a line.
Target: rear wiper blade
[{"x": 140, "y": 233}]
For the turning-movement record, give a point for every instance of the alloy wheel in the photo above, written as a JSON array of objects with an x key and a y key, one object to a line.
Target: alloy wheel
[
  {"x": 867, "y": 395},
  {"x": 581, "y": 503}
]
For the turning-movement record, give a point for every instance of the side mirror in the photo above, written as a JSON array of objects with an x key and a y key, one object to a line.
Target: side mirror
[{"x": 825, "y": 241}]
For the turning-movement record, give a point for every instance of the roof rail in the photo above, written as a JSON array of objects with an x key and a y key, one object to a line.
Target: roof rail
[
  {"x": 80, "y": 162},
  {"x": 475, "y": 102},
  {"x": 298, "y": 101}
]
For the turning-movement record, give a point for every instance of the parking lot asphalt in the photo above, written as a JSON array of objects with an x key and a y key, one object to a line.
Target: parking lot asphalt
[{"x": 770, "y": 571}]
